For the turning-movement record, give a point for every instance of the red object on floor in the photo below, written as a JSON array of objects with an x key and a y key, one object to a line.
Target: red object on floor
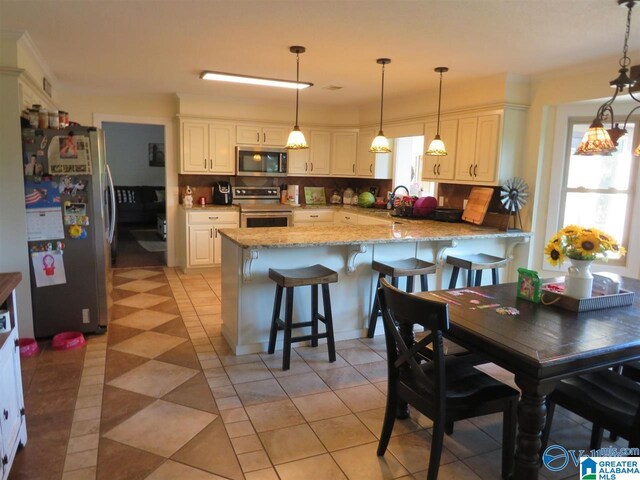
[
  {"x": 67, "y": 340},
  {"x": 28, "y": 347}
]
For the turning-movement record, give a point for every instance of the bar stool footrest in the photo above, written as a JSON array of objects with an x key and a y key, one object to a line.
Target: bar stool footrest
[{"x": 303, "y": 338}]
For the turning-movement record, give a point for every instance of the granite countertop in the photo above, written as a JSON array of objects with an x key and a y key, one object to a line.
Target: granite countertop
[
  {"x": 210, "y": 207},
  {"x": 327, "y": 235}
]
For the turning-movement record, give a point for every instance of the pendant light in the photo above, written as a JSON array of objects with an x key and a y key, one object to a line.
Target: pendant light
[
  {"x": 598, "y": 140},
  {"x": 296, "y": 140},
  {"x": 380, "y": 144},
  {"x": 436, "y": 147}
]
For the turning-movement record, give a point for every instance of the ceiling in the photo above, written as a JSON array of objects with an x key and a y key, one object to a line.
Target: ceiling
[{"x": 160, "y": 46}]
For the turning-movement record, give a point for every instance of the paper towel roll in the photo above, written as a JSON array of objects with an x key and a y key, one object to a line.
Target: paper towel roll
[{"x": 293, "y": 194}]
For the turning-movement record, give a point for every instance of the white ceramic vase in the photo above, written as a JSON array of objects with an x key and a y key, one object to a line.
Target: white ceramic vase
[{"x": 579, "y": 280}]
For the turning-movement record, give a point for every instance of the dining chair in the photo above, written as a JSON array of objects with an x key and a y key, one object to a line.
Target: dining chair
[
  {"x": 606, "y": 398},
  {"x": 443, "y": 388}
]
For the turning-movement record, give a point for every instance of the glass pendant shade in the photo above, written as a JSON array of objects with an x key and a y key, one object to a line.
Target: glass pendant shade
[
  {"x": 436, "y": 147},
  {"x": 380, "y": 144},
  {"x": 596, "y": 141},
  {"x": 296, "y": 140}
]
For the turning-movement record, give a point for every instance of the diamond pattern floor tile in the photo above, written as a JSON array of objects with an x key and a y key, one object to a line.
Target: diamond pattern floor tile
[
  {"x": 141, "y": 300},
  {"x": 144, "y": 319},
  {"x": 154, "y": 379},
  {"x": 140, "y": 286},
  {"x": 137, "y": 274},
  {"x": 172, "y": 426},
  {"x": 149, "y": 344}
]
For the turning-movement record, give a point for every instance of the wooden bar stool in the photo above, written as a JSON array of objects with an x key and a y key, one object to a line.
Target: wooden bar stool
[
  {"x": 400, "y": 268},
  {"x": 296, "y": 277},
  {"x": 475, "y": 263}
]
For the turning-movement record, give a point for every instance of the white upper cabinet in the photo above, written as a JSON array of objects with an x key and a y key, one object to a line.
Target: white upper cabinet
[
  {"x": 207, "y": 148},
  {"x": 319, "y": 152},
  {"x": 343, "y": 155},
  {"x": 440, "y": 167},
  {"x": 478, "y": 156},
  {"x": 269, "y": 136},
  {"x": 371, "y": 165}
]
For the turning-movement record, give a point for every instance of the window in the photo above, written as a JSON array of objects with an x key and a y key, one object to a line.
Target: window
[
  {"x": 408, "y": 166},
  {"x": 598, "y": 191}
]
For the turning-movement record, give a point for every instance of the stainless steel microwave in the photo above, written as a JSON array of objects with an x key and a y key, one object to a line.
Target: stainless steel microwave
[{"x": 261, "y": 162}]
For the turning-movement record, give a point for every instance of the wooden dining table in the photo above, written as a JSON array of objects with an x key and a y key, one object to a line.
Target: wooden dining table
[{"x": 541, "y": 345}]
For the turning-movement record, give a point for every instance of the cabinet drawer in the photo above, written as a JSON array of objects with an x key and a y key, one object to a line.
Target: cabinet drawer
[
  {"x": 212, "y": 217},
  {"x": 350, "y": 218},
  {"x": 313, "y": 216}
]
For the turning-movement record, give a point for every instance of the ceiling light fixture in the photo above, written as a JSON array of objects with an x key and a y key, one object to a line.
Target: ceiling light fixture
[
  {"x": 436, "y": 147},
  {"x": 249, "y": 80},
  {"x": 380, "y": 144},
  {"x": 296, "y": 140},
  {"x": 597, "y": 140}
]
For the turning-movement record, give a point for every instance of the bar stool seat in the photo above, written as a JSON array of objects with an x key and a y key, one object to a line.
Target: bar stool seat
[
  {"x": 475, "y": 263},
  {"x": 396, "y": 269},
  {"x": 296, "y": 277}
]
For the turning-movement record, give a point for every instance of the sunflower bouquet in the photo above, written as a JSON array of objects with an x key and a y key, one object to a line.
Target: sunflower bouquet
[{"x": 580, "y": 243}]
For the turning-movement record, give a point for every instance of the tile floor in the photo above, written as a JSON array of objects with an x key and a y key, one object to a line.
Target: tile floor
[{"x": 161, "y": 397}]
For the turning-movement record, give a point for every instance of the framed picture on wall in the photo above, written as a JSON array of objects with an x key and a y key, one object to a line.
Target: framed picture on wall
[{"x": 156, "y": 154}]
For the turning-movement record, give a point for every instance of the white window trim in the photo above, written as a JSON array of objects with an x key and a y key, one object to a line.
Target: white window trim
[{"x": 631, "y": 268}]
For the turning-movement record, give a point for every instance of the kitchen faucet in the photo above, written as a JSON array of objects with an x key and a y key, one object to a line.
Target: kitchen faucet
[{"x": 393, "y": 195}]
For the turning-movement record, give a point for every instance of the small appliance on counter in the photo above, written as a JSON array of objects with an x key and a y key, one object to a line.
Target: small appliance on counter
[{"x": 222, "y": 193}]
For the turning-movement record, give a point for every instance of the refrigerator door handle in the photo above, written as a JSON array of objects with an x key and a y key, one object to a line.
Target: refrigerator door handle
[{"x": 112, "y": 218}]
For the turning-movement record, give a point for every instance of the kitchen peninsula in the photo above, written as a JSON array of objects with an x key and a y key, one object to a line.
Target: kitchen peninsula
[{"x": 247, "y": 255}]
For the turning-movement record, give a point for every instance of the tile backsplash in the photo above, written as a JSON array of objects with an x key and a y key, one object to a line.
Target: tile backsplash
[{"x": 201, "y": 184}]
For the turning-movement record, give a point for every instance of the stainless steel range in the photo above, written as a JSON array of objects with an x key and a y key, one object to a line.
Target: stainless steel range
[{"x": 261, "y": 207}]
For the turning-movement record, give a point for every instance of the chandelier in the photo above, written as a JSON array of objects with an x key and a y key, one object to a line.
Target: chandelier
[{"x": 601, "y": 141}]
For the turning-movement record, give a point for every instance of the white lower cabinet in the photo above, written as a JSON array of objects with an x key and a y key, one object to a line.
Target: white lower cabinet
[
  {"x": 203, "y": 242},
  {"x": 13, "y": 430},
  {"x": 345, "y": 218},
  {"x": 312, "y": 217}
]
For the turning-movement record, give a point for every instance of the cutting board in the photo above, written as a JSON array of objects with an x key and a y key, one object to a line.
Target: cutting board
[{"x": 477, "y": 205}]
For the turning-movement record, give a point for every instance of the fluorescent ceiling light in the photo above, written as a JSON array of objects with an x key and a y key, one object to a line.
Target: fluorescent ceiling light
[{"x": 247, "y": 79}]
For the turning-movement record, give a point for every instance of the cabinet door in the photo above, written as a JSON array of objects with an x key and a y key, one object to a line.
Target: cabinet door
[
  {"x": 319, "y": 153},
  {"x": 221, "y": 150},
  {"x": 364, "y": 158},
  {"x": 11, "y": 417},
  {"x": 274, "y": 136},
  {"x": 200, "y": 245},
  {"x": 466, "y": 148},
  {"x": 217, "y": 240},
  {"x": 298, "y": 160},
  {"x": 248, "y": 135},
  {"x": 486, "y": 158},
  {"x": 195, "y": 147},
  {"x": 449, "y": 135},
  {"x": 343, "y": 156}
]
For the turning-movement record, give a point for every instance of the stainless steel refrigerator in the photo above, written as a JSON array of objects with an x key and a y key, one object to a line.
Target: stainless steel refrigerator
[{"x": 70, "y": 207}]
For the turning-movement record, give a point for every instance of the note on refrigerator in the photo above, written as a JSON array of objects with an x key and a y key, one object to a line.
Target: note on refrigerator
[
  {"x": 48, "y": 268},
  {"x": 44, "y": 224}
]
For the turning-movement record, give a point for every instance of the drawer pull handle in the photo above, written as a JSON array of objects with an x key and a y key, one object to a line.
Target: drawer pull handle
[
  {"x": 434, "y": 169},
  {"x": 5, "y": 414},
  {"x": 305, "y": 167},
  {"x": 213, "y": 218},
  {"x": 353, "y": 167},
  {"x": 438, "y": 169},
  {"x": 211, "y": 233},
  {"x": 312, "y": 166},
  {"x": 216, "y": 232},
  {"x": 264, "y": 138},
  {"x": 258, "y": 137},
  {"x": 313, "y": 216},
  {"x": 470, "y": 167},
  {"x": 475, "y": 170},
  {"x": 205, "y": 163},
  {"x": 370, "y": 168}
]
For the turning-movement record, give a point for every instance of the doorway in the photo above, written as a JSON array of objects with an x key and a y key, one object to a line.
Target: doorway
[
  {"x": 136, "y": 155},
  {"x": 407, "y": 169}
]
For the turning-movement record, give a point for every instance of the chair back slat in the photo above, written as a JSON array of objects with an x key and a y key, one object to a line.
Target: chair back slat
[{"x": 401, "y": 312}]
